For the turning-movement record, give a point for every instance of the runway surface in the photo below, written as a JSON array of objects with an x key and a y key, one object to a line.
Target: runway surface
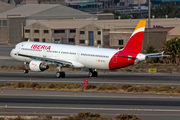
[
  {"x": 33, "y": 102},
  {"x": 78, "y": 77},
  {"x": 103, "y": 78},
  {"x": 5, "y": 58}
]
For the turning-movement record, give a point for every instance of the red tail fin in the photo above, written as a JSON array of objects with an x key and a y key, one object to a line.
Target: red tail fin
[{"x": 135, "y": 42}]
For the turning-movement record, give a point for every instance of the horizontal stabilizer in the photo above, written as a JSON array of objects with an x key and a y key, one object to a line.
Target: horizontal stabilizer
[
  {"x": 150, "y": 54},
  {"x": 157, "y": 56}
]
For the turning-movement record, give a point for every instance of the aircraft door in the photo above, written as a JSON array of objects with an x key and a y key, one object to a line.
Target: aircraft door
[
  {"x": 115, "y": 59},
  {"x": 19, "y": 48},
  {"x": 44, "y": 53},
  {"x": 78, "y": 55}
]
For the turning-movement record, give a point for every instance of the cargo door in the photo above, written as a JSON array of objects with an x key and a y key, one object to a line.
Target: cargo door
[{"x": 115, "y": 59}]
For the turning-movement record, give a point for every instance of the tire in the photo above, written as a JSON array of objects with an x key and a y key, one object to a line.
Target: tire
[
  {"x": 90, "y": 74},
  {"x": 95, "y": 74},
  {"x": 26, "y": 71},
  {"x": 58, "y": 75},
  {"x": 62, "y": 74}
]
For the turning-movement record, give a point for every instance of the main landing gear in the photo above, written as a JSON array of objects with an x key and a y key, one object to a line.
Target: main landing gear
[
  {"x": 26, "y": 70},
  {"x": 93, "y": 73},
  {"x": 60, "y": 74}
]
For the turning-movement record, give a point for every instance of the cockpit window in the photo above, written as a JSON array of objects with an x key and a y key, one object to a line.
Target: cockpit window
[{"x": 14, "y": 47}]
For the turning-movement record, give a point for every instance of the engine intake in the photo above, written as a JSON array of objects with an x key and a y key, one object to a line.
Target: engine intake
[{"x": 38, "y": 66}]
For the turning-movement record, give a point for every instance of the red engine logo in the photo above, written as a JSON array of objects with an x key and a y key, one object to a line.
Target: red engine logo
[{"x": 34, "y": 64}]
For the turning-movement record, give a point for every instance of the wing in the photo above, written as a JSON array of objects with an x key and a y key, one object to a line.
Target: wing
[{"x": 48, "y": 60}]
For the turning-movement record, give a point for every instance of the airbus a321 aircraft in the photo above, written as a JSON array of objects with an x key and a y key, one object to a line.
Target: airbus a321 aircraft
[{"x": 40, "y": 55}]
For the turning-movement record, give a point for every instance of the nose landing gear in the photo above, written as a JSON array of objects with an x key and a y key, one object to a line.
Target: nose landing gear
[
  {"x": 26, "y": 70},
  {"x": 60, "y": 74}
]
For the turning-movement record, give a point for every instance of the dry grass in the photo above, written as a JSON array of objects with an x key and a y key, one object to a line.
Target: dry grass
[
  {"x": 124, "y": 88},
  {"x": 19, "y": 67},
  {"x": 79, "y": 116}
]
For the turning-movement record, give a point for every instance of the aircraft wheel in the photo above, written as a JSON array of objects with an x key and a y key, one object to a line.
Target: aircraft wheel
[
  {"x": 58, "y": 75},
  {"x": 62, "y": 74},
  {"x": 90, "y": 74},
  {"x": 95, "y": 74},
  {"x": 26, "y": 71}
]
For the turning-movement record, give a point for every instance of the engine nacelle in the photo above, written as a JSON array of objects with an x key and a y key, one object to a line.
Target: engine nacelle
[{"x": 38, "y": 66}]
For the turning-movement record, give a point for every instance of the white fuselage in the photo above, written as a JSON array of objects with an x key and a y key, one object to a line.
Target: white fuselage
[{"x": 80, "y": 56}]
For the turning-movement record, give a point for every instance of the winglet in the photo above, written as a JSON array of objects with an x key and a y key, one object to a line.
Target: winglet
[{"x": 135, "y": 42}]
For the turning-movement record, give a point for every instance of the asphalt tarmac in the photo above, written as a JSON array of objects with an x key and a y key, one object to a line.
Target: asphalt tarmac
[
  {"x": 103, "y": 78},
  {"x": 31, "y": 102},
  {"x": 58, "y": 103},
  {"x": 78, "y": 77},
  {"x": 5, "y": 58}
]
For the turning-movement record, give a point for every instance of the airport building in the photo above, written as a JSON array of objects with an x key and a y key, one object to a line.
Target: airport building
[
  {"x": 13, "y": 21},
  {"x": 160, "y": 2},
  {"x": 43, "y": 1},
  {"x": 102, "y": 33},
  {"x": 175, "y": 32},
  {"x": 59, "y": 24},
  {"x": 5, "y": 6}
]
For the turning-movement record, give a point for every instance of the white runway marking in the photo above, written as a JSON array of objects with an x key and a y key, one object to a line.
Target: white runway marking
[
  {"x": 93, "y": 96},
  {"x": 103, "y": 109}
]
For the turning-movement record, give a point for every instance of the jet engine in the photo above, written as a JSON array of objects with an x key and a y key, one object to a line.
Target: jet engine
[{"x": 38, "y": 66}]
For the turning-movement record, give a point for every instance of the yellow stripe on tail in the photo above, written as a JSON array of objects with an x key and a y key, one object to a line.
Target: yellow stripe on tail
[{"x": 142, "y": 23}]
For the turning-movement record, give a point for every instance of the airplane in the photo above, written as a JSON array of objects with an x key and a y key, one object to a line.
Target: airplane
[{"x": 39, "y": 55}]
